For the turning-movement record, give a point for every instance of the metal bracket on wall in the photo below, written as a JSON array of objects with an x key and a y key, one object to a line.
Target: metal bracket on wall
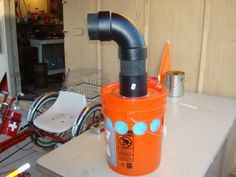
[
  {"x": 15, "y": 75},
  {"x": 233, "y": 173},
  {"x": 64, "y": 31}
]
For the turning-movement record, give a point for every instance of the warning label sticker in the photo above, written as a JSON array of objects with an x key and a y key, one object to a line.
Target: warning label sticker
[{"x": 126, "y": 147}]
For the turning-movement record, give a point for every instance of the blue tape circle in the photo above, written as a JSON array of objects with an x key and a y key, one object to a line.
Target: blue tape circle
[
  {"x": 139, "y": 128},
  {"x": 121, "y": 127},
  {"x": 108, "y": 123},
  {"x": 155, "y": 125}
]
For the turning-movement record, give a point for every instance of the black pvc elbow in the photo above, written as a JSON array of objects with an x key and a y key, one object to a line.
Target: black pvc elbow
[{"x": 106, "y": 26}]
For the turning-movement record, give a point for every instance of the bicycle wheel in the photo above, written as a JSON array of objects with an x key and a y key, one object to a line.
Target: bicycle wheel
[
  {"x": 88, "y": 116},
  {"x": 41, "y": 105}
]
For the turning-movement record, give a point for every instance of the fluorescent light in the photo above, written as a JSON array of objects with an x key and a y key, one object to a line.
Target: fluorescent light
[{"x": 19, "y": 170}]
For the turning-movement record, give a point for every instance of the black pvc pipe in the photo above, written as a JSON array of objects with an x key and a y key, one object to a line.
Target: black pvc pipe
[{"x": 107, "y": 26}]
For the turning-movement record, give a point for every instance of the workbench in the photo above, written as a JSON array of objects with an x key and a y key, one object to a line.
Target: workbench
[
  {"x": 200, "y": 142},
  {"x": 40, "y": 44}
]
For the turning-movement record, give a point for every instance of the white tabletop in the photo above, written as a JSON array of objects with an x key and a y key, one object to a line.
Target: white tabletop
[{"x": 197, "y": 126}]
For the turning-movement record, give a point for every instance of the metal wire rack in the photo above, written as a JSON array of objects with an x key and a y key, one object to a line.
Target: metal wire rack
[{"x": 86, "y": 81}]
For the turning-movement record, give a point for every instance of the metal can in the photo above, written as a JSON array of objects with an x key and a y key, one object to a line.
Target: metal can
[{"x": 175, "y": 83}]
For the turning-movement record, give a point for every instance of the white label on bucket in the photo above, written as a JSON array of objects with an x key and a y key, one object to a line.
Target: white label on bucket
[
  {"x": 133, "y": 86},
  {"x": 108, "y": 151},
  {"x": 108, "y": 134},
  {"x": 164, "y": 131}
]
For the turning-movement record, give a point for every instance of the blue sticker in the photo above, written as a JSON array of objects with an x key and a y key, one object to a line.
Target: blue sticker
[
  {"x": 121, "y": 127},
  {"x": 108, "y": 123},
  {"x": 139, "y": 128},
  {"x": 155, "y": 125}
]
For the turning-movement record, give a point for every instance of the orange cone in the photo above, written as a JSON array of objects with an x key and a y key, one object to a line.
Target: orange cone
[{"x": 165, "y": 63}]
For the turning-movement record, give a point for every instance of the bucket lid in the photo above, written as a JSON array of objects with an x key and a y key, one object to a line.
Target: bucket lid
[
  {"x": 155, "y": 97},
  {"x": 175, "y": 73}
]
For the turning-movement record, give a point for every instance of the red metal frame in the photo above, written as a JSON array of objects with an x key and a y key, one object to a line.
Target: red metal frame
[
  {"x": 21, "y": 135},
  {"x": 54, "y": 137},
  {"x": 6, "y": 144},
  {"x": 3, "y": 83},
  {"x": 6, "y": 110}
]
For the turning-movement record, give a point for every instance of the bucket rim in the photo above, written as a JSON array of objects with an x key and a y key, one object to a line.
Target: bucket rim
[{"x": 161, "y": 89}]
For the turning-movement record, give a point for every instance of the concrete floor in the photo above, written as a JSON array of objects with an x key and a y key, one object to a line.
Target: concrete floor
[
  {"x": 28, "y": 154},
  {"x": 31, "y": 152}
]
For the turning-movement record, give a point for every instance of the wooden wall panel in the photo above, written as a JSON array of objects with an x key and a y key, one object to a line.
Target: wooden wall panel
[
  {"x": 79, "y": 50},
  {"x": 180, "y": 22},
  {"x": 3, "y": 67},
  {"x": 202, "y": 36},
  {"x": 134, "y": 10},
  {"x": 220, "y": 71}
]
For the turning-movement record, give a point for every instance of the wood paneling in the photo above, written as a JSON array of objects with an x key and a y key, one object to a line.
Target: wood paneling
[
  {"x": 202, "y": 36},
  {"x": 220, "y": 69},
  {"x": 203, "y": 58},
  {"x": 180, "y": 22},
  {"x": 79, "y": 50}
]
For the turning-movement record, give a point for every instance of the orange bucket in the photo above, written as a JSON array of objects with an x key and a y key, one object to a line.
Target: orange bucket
[{"x": 134, "y": 129}]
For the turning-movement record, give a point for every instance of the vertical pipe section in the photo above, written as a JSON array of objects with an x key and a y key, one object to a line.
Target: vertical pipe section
[{"x": 107, "y": 26}]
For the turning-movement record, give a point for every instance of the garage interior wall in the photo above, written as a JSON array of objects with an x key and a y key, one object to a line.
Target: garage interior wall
[
  {"x": 202, "y": 36},
  {"x": 8, "y": 54}
]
